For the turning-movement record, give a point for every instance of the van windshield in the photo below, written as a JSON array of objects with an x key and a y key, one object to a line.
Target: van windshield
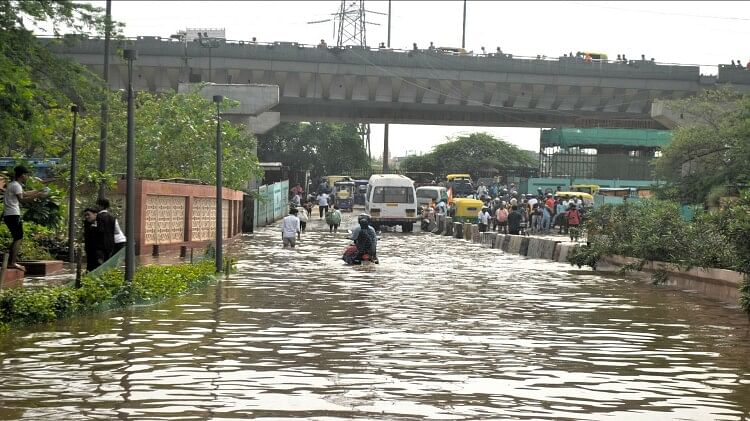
[
  {"x": 393, "y": 195},
  {"x": 428, "y": 194}
]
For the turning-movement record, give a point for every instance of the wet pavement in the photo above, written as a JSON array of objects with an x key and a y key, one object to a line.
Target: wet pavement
[{"x": 441, "y": 329}]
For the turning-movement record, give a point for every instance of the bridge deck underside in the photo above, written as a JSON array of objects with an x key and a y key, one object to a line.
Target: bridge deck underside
[{"x": 320, "y": 92}]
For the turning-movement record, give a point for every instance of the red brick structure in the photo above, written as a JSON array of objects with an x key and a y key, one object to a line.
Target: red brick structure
[{"x": 170, "y": 216}]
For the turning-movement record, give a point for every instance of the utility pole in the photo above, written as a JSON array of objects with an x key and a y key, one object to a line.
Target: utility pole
[
  {"x": 463, "y": 36},
  {"x": 350, "y": 29},
  {"x": 105, "y": 104},
  {"x": 130, "y": 55},
  {"x": 385, "y": 127}
]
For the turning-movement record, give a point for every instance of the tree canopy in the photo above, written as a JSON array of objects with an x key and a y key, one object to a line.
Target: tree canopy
[
  {"x": 175, "y": 138},
  {"x": 321, "y": 148},
  {"x": 713, "y": 152},
  {"x": 472, "y": 154},
  {"x": 33, "y": 81}
]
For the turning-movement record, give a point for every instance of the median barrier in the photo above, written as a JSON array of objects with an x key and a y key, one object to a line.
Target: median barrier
[
  {"x": 534, "y": 248},
  {"x": 524, "y": 250},
  {"x": 562, "y": 253},
  {"x": 448, "y": 226},
  {"x": 439, "y": 225},
  {"x": 458, "y": 230},
  {"x": 514, "y": 244},
  {"x": 467, "y": 231},
  {"x": 475, "y": 233},
  {"x": 719, "y": 284},
  {"x": 541, "y": 248},
  {"x": 488, "y": 239},
  {"x": 505, "y": 243}
]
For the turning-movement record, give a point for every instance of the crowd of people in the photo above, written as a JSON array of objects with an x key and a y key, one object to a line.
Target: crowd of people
[{"x": 512, "y": 213}]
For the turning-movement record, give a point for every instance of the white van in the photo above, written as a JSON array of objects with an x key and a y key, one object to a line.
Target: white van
[
  {"x": 391, "y": 201},
  {"x": 426, "y": 194}
]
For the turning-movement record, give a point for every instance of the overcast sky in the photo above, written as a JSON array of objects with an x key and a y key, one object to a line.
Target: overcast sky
[{"x": 696, "y": 32}]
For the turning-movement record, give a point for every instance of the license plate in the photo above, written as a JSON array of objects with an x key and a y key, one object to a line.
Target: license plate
[{"x": 392, "y": 205}]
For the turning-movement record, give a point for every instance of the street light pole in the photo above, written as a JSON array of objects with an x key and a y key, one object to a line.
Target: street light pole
[
  {"x": 385, "y": 127},
  {"x": 463, "y": 36},
  {"x": 130, "y": 55},
  {"x": 72, "y": 187},
  {"x": 105, "y": 103},
  {"x": 219, "y": 184}
]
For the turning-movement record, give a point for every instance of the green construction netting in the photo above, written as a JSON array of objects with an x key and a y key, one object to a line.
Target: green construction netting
[{"x": 648, "y": 138}]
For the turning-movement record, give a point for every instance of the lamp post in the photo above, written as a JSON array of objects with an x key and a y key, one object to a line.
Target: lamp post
[
  {"x": 72, "y": 187},
  {"x": 105, "y": 104},
  {"x": 210, "y": 43},
  {"x": 130, "y": 55},
  {"x": 386, "y": 169},
  {"x": 219, "y": 182}
]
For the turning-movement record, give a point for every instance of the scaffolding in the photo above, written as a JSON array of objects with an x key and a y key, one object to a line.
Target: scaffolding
[{"x": 600, "y": 153}]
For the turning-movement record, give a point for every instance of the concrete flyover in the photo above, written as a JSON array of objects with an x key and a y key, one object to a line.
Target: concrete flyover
[{"x": 359, "y": 84}]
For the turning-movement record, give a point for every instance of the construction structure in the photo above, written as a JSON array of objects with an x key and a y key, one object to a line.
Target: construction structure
[{"x": 606, "y": 157}]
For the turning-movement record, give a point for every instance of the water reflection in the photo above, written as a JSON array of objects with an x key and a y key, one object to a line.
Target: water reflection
[{"x": 441, "y": 329}]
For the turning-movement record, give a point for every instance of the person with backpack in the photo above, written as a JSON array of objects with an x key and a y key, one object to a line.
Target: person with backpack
[
  {"x": 574, "y": 220},
  {"x": 333, "y": 219},
  {"x": 501, "y": 216}
]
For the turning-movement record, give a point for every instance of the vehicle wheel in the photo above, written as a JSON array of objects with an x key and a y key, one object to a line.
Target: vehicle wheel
[{"x": 408, "y": 227}]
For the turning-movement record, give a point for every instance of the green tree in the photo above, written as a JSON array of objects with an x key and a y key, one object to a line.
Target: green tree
[
  {"x": 712, "y": 152},
  {"x": 469, "y": 154},
  {"x": 33, "y": 81},
  {"x": 175, "y": 138},
  {"x": 321, "y": 148}
]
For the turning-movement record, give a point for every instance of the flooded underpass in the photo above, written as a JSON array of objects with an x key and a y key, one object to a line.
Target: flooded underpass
[{"x": 441, "y": 329}]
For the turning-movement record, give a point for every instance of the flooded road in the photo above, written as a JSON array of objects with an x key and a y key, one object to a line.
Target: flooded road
[{"x": 441, "y": 329}]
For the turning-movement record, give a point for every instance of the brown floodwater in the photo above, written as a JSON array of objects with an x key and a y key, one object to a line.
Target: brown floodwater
[{"x": 441, "y": 329}]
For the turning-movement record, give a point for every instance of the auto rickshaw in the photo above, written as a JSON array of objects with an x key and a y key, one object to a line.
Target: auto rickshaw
[
  {"x": 360, "y": 195},
  {"x": 585, "y": 188},
  {"x": 466, "y": 210},
  {"x": 344, "y": 195}
]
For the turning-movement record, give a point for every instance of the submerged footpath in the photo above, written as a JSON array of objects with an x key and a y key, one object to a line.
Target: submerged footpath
[{"x": 718, "y": 284}]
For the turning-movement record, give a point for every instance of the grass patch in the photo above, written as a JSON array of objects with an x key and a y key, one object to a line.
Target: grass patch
[{"x": 19, "y": 306}]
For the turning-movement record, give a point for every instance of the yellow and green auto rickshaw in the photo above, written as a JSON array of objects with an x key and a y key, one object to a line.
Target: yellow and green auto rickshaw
[
  {"x": 466, "y": 210},
  {"x": 344, "y": 195},
  {"x": 585, "y": 188}
]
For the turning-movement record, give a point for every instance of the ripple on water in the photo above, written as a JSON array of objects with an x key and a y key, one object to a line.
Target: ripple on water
[{"x": 441, "y": 329}]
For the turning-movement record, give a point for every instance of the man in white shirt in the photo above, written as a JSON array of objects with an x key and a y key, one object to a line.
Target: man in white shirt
[
  {"x": 12, "y": 199},
  {"x": 290, "y": 229},
  {"x": 322, "y": 203}
]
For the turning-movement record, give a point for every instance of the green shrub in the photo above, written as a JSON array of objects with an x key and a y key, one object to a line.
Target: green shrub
[
  {"x": 108, "y": 290},
  {"x": 654, "y": 230}
]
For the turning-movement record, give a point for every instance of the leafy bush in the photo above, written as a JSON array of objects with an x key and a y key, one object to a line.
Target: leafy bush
[
  {"x": 654, "y": 230},
  {"x": 150, "y": 283}
]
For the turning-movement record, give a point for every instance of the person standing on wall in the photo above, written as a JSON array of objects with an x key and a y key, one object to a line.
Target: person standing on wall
[{"x": 12, "y": 199}]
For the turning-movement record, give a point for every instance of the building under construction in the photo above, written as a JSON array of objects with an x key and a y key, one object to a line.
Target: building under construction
[{"x": 611, "y": 154}]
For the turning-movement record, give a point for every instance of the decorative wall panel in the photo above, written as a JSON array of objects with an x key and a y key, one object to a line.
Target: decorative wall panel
[{"x": 165, "y": 219}]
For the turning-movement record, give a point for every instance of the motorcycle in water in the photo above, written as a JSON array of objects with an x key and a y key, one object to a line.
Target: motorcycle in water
[{"x": 351, "y": 256}]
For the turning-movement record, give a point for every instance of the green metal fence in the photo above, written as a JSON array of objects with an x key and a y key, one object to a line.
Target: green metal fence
[{"x": 271, "y": 203}]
